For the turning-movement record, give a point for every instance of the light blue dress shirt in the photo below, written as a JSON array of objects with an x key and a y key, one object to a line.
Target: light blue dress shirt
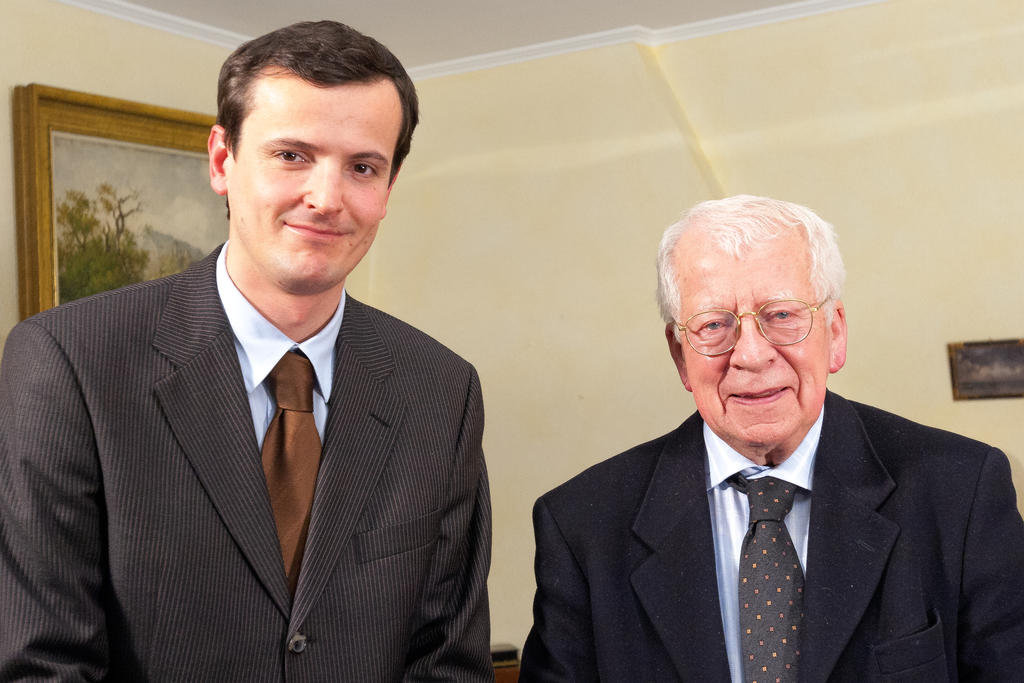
[
  {"x": 730, "y": 514},
  {"x": 260, "y": 346}
]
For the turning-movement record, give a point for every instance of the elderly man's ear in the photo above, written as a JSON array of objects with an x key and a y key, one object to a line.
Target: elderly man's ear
[
  {"x": 675, "y": 348},
  {"x": 837, "y": 338}
]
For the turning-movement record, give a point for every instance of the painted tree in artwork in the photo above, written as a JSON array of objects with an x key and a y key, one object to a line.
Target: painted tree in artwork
[{"x": 96, "y": 250}]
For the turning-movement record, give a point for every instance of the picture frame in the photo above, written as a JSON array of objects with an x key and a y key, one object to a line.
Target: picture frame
[
  {"x": 47, "y": 118},
  {"x": 987, "y": 369}
]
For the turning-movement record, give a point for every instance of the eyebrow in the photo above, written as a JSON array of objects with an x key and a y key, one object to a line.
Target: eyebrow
[
  {"x": 308, "y": 148},
  {"x": 779, "y": 296},
  {"x": 289, "y": 143},
  {"x": 372, "y": 156}
]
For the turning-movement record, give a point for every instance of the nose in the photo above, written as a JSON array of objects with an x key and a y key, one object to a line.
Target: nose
[
  {"x": 752, "y": 350},
  {"x": 325, "y": 190}
]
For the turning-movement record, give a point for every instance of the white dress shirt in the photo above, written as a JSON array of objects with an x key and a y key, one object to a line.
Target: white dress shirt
[
  {"x": 730, "y": 514},
  {"x": 260, "y": 346}
]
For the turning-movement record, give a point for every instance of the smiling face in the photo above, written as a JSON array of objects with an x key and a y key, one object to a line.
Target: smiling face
[
  {"x": 307, "y": 185},
  {"x": 759, "y": 398}
]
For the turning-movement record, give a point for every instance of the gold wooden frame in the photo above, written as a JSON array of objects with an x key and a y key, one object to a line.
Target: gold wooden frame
[{"x": 40, "y": 110}]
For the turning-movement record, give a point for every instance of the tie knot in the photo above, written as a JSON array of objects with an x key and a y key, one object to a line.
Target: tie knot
[
  {"x": 769, "y": 498},
  {"x": 291, "y": 383}
]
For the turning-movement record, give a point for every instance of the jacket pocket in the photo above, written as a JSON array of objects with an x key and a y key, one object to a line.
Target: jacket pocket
[
  {"x": 376, "y": 544},
  {"x": 919, "y": 656}
]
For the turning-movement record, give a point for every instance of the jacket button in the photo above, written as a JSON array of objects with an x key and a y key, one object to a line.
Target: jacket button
[{"x": 297, "y": 643}]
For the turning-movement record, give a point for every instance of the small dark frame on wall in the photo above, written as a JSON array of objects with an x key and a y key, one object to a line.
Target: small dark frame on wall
[
  {"x": 41, "y": 114},
  {"x": 989, "y": 369}
]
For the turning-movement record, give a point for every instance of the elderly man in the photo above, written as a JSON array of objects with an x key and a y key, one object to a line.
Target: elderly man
[
  {"x": 782, "y": 533},
  {"x": 239, "y": 473}
]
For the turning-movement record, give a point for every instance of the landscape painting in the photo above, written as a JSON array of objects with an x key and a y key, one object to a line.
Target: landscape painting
[
  {"x": 126, "y": 212},
  {"x": 108, "y": 192}
]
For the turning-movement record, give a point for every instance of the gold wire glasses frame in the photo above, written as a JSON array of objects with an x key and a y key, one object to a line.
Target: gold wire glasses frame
[{"x": 782, "y": 322}]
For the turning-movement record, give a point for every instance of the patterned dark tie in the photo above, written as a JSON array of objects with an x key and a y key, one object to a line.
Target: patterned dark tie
[
  {"x": 771, "y": 584},
  {"x": 291, "y": 457}
]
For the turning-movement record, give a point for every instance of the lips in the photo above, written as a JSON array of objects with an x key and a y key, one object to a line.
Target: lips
[
  {"x": 758, "y": 395},
  {"x": 314, "y": 230}
]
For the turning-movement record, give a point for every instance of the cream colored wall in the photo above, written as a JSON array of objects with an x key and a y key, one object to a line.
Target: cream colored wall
[{"x": 523, "y": 228}]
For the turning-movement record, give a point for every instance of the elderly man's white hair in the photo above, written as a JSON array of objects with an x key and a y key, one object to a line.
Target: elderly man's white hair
[{"x": 738, "y": 223}]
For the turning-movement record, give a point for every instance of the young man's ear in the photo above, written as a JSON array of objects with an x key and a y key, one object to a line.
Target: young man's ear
[{"x": 220, "y": 159}]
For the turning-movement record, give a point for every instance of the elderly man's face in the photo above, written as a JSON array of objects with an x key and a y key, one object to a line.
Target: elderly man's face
[{"x": 759, "y": 398}]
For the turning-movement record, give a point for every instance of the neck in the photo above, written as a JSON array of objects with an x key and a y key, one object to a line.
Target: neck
[
  {"x": 298, "y": 317},
  {"x": 759, "y": 454}
]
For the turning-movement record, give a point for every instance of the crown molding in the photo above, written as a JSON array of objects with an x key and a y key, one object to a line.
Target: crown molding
[
  {"x": 489, "y": 60},
  {"x": 761, "y": 17},
  {"x": 636, "y": 34},
  {"x": 161, "y": 21},
  {"x": 630, "y": 34}
]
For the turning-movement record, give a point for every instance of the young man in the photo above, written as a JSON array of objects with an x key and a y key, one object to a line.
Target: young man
[{"x": 238, "y": 472}]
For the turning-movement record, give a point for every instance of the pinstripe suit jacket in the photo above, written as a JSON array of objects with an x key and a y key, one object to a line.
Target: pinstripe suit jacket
[{"x": 137, "y": 538}]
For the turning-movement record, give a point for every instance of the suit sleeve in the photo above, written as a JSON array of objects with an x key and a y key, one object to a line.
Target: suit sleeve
[
  {"x": 52, "y": 623},
  {"x": 991, "y": 615},
  {"x": 453, "y": 641},
  {"x": 560, "y": 646}
]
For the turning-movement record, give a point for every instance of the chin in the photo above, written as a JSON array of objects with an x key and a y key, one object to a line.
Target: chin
[
  {"x": 311, "y": 284},
  {"x": 762, "y": 439}
]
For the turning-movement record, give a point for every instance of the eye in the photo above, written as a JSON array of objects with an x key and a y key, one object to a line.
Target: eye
[
  {"x": 784, "y": 314},
  {"x": 710, "y": 323},
  {"x": 364, "y": 169},
  {"x": 290, "y": 157}
]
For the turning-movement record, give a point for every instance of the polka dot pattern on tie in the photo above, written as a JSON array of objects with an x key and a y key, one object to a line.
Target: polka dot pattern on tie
[{"x": 771, "y": 584}]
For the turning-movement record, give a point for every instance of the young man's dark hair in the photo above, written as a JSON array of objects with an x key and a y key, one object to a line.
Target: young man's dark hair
[{"x": 324, "y": 53}]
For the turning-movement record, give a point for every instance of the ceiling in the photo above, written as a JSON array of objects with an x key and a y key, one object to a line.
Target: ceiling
[{"x": 428, "y": 32}]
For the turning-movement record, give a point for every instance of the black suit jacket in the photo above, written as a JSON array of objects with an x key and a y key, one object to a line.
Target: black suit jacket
[
  {"x": 137, "y": 538},
  {"x": 915, "y": 559}
]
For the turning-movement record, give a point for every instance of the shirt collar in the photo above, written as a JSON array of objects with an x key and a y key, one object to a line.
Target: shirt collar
[
  {"x": 262, "y": 345},
  {"x": 798, "y": 468}
]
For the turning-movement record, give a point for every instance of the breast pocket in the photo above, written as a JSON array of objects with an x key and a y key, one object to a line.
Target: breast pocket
[
  {"x": 377, "y": 544},
  {"x": 920, "y": 656}
]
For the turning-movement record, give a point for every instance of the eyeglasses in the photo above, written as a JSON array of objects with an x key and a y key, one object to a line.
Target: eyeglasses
[{"x": 781, "y": 322}]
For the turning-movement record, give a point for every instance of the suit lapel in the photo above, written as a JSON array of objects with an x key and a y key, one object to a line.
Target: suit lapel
[
  {"x": 204, "y": 401},
  {"x": 849, "y": 542},
  {"x": 362, "y": 422},
  {"x": 677, "y": 584}
]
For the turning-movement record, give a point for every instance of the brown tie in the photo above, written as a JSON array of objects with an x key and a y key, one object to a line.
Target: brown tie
[{"x": 291, "y": 457}]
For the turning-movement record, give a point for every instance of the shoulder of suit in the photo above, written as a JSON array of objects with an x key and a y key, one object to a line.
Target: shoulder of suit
[
  {"x": 624, "y": 475},
  {"x": 402, "y": 338},
  {"x": 128, "y": 315},
  {"x": 140, "y": 294},
  {"x": 127, "y": 305},
  {"x": 898, "y": 439}
]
